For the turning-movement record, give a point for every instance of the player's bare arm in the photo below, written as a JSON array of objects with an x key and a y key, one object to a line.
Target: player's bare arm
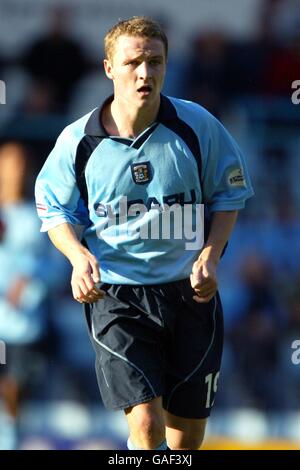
[
  {"x": 85, "y": 273},
  {"x": 204, "y": 273}
]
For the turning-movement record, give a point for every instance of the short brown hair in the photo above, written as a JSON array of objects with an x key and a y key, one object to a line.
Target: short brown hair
[{"x": 135, "y": 26}]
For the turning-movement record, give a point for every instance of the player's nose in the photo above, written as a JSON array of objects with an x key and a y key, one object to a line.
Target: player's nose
[{"x": 144, "y": 71}]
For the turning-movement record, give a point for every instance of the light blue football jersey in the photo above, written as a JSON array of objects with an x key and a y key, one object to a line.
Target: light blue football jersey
[{"x": 139, "y": 201}]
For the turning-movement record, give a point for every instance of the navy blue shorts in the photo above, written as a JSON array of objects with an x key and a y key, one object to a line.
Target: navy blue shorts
[{"x": 155, "y": 340}]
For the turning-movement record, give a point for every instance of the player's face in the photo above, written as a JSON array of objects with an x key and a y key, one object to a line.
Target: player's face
[{"x": 137, "y": 69}]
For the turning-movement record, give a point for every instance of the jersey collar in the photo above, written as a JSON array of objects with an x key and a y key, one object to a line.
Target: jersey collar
[{"x": 93, "y": 127}]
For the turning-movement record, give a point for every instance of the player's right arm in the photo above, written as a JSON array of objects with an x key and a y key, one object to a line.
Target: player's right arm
[
  {"x": 62, "y": 211},
  {"x": 85, "y": 273}
]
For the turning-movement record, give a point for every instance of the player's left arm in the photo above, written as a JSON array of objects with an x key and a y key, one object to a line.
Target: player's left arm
[
  {"x": 204, "y": 272},
  {"x": 225, "y": 185}
]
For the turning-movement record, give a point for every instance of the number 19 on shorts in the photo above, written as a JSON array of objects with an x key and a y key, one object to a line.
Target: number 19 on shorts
[{"x": 212, "y": 384}]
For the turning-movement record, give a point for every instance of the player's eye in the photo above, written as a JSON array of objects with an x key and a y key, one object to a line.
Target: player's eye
[
  {"x": 133, "y": 62},
  {"x": 155, "y": 61}
]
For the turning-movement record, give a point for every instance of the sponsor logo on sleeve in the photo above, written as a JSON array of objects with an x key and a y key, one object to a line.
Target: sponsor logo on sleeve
[{"x": 236, "y": 178}]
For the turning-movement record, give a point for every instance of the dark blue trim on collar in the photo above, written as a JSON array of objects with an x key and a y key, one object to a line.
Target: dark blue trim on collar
[{"x": 95, "y": 128}]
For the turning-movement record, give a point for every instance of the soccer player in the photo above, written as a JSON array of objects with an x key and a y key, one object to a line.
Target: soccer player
[{"x": 151, "y": 302}]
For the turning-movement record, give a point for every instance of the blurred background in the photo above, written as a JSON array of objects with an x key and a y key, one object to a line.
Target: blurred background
[{"x": 238, "y": 58}]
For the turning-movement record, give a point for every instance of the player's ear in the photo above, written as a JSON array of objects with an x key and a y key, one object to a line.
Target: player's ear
[{"x": 108, "y": 68}]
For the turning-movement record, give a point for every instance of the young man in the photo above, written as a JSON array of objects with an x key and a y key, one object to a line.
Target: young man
[{"x": 151, "y": 302}]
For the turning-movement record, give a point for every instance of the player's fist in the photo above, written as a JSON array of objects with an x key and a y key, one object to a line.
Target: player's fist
[
  {"x": 204, "y": 280},
  {"x": 85, "y": 277}
]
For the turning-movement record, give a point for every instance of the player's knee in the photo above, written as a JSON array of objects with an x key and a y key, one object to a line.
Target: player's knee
[{"x": 149, "y": 430}]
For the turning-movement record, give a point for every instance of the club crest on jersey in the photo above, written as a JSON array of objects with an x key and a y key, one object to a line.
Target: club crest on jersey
[{"x": 141, "y": 172}]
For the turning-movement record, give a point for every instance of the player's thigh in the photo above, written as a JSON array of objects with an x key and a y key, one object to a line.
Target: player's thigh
[
  {"x": 194, "y": 358},
  {"x": 184, "y": 433},
  {"x": 127, "y": 342}
]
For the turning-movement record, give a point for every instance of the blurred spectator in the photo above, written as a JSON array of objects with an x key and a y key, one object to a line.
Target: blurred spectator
[
  {"x": 22, "y": 289},
  {"x": 283, "y": 18},
  {"x": 282, "y": 66},
  {"x": 56, "y": 63},
  {"x": 207, "y": 73}
]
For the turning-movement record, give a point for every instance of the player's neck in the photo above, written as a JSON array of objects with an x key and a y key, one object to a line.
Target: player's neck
[{"x": 119, "y": 119}]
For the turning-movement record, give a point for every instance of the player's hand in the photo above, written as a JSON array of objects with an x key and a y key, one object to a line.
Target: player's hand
[
  {"x": 85, "y": 276},
  {"x": 204, "y": 280}
]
